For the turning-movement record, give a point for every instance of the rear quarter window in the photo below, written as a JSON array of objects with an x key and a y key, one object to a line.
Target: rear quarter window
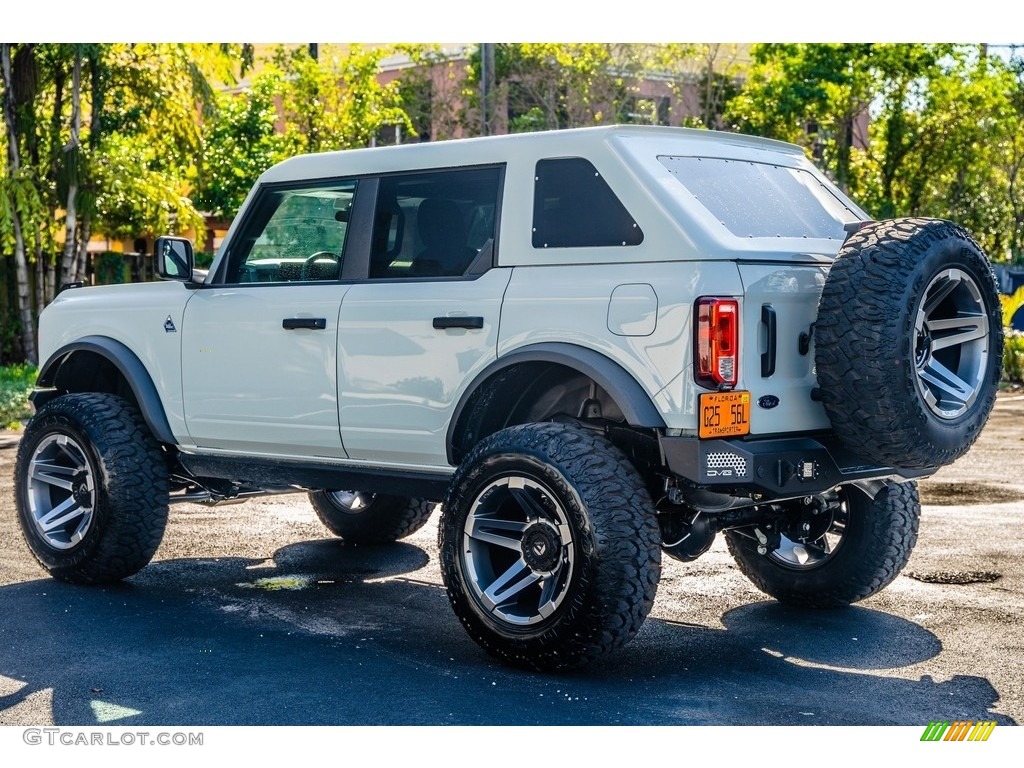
[
  {"x": 573, "y": 207},
  {"x": 753, "y": 199}
]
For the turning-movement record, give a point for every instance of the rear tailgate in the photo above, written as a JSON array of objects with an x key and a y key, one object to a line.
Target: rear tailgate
[{"x": 780, "y": 303}]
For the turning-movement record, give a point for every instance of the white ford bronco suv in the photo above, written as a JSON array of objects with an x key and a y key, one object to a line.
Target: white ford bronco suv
[{"x": 592, "y": 346}]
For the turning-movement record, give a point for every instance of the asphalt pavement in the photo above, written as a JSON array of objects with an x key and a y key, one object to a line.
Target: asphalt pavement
[{"x": 252, "y": 614}]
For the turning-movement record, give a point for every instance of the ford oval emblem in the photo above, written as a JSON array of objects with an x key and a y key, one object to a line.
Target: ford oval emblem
[{"x": 767, "y": 401}]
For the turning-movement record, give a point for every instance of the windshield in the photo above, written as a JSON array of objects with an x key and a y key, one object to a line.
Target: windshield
[{"x": 753, "y": 199}]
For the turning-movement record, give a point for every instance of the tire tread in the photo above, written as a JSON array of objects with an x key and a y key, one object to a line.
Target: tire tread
[
  {"x": 889, "y": 525},
  {"x": 622, "y": 559},
  {"x": 134, "y": 487},
  {"x": 863, "y": 334}
]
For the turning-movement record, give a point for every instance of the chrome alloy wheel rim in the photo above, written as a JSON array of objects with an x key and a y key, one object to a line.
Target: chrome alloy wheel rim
[
  {"x": 517, "y": 551},
  {"x": 951, "y": 340},
  {"x": 61, "y": 491},
  {"x": 352, "y": 502},
  {"x": 804, "y": 555}
]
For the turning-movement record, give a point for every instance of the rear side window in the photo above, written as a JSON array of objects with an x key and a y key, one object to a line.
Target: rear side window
[
  {"x": 435, "y": 223},
  {"x": 762, "y": 199},
  {"x": 573, "y": 207}
]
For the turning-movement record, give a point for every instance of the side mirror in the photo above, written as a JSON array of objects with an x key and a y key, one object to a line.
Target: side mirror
[{"x": 174, "y": 258}]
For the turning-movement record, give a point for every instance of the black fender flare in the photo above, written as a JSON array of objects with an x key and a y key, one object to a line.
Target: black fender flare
[
  {"x": 636, "y": 405},
  {"x": 129, "y": 366}
]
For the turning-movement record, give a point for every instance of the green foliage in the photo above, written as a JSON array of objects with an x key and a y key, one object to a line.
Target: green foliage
[
  {"x": 149, "y": 135},
  {"x": 431, "y": 92},
  {"x": 16, "y": 382},
  {"x": 547, "y": 86},
  {"x": 19, "y": 192},
  {"x": 713, "y": 69},
  {"x": 335, "y": 101},
  {"x": 531, "y": 120},
  {"x": 238, "y": 145},
  {"x": 810, "y": 94},
  {"x": 109, "y": 268},
  {"x": 136, "y": 195},
  {"x": 10, "y": 320},
  {"x": 1013, "y": 355},
  {"x": 905, "y": 129}
]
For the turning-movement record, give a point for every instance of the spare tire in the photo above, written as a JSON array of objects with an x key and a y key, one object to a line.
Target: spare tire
[{"x": 908, "y": 342}]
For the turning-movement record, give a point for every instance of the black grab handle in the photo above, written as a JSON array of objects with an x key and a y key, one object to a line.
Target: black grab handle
[
  {"x": 768, "y": 356},
  {"x": 458, "y": 322},
  {"x": 314, "y": 323}
]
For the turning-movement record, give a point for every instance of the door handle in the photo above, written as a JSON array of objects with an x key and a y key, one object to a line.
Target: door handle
[
  {"x": 771, "y": 326},
  {"x": 313, "y": 323},
  {"x": 458, "y": 322}
]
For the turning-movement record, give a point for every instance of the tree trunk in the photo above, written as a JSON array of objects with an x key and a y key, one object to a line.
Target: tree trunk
[
  {"x": 55, "y": 127},
  {"x": 844, "y": 140},
  {"x": 28, "y": 331},
  {"x": 40, "y": 281},
  {"x": 28, "y": 335},
  {"x": 84, "y": 233},
  {"x": 710, "y": 102},
  {"x": 71, "y": 154}
]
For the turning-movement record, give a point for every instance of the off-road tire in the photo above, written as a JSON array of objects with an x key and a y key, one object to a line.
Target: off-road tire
[
  {"x": 382, "y": 520},
  {"x": 879, "y": 536},
  {"x": 875, "y": 362},
  {"x": 122, "y": 478},
  {"x": 605, "y": 576}
]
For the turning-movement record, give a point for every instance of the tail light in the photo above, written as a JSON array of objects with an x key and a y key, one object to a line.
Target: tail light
[{"x": 716, "y": 346}]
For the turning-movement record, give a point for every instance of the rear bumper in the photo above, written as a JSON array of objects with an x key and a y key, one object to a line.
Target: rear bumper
[{"x": 774, "y": 467}]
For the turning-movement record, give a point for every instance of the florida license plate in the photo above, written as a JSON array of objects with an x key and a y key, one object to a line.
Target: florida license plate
[{"x": 724, "y": 414}]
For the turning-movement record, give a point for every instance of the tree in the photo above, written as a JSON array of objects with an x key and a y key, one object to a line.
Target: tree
[
  {"x": 810, "y": 94},
  {"x": 238, "y": 145},
  {"x": 98, "y": 136},
  {"x": 703, "y": 77},
  {"x": 148, "y": 135},
  {"x": 72, "y": 164},
  {"x": 1009, "y": 156},
  {"x": 553, "y": 85},
  {"x": 334, "y": 101},
  {"x": 906, "y": 129},
  {"x": 431, "y": 92},
  {"x": 18, "y": 202}
]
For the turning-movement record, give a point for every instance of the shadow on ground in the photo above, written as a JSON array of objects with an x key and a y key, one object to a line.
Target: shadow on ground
[{"x": 327, "y": 633}]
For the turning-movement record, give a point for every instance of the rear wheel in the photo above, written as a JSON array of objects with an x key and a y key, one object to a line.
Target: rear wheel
[
  {"x": 832, "y": 553},
  {"x": 549, "y": 544},
  {"x": 91, "y": 487},
  {"x": 370, "y": 518}
]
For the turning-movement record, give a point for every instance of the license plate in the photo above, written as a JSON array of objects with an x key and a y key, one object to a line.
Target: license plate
[{"x": 724, "y": 414}]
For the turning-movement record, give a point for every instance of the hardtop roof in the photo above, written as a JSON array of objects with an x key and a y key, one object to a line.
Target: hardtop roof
[{"x": 497, "y": 149}]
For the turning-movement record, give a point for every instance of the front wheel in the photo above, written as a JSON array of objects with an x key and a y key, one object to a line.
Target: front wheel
[
  {"x": 91, "y": 487},
  {"x": 549, "y": 546},
  {"x": 834, "y": 554}
]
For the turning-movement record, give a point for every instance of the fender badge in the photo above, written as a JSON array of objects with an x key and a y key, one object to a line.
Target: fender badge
[
  {"x": 169, "y": 325},
  {"x": 767, "y": 401}
]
